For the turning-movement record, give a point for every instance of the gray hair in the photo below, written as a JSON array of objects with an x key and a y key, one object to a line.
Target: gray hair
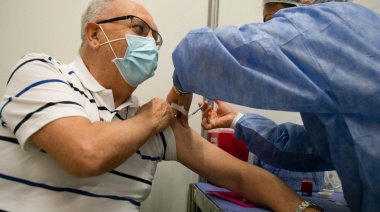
[{"x": 92, "y": 12}]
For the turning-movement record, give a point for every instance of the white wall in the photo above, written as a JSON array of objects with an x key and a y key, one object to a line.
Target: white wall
[{"x": 53, "y": 27}]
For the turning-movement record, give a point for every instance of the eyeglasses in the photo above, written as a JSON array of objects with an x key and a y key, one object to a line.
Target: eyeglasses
[{"x": 138, "y": 26}]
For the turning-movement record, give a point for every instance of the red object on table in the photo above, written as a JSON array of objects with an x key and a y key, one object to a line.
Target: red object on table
[
  {"x": 224, "y": 139},
  {"x": 306, "y": 188},
  {"x": 232, "y": 197}
]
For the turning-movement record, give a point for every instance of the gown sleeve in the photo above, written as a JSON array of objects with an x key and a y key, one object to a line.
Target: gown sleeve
[
  {"x": 266, "y": 70},
  {"x": 286, "y": 64},
  {"x": 285, "y": 146}
]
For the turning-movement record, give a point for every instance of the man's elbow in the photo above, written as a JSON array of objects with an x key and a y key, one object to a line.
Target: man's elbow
[
  {"x": 84, "y": 169},
  {"x": 86, "y": 163}
]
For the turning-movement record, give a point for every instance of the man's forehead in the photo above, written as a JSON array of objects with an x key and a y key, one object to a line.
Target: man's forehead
[{"x": 123, "y": 8}]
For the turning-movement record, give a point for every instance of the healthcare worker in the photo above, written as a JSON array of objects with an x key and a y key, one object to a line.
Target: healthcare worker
[{"x": 321, "y": 60}]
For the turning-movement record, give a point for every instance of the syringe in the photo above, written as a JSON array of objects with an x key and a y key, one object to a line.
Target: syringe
[{"x": 200, "y": 107}]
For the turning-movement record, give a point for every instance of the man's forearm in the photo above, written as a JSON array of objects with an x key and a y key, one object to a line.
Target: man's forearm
[{"x": 257, "y": 185}]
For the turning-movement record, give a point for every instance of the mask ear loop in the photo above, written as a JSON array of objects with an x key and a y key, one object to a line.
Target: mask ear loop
[{"x": 108, "y": 41}]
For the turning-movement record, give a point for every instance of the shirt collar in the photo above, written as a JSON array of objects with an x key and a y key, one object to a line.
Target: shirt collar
[
  {"x": 85, "y": 76},
  {"x": 90, "y": 83}
]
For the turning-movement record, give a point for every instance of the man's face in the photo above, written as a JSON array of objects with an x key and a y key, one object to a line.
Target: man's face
[
  {"x": 99, "y": 53},
  {"x": 116, "y": 29}
]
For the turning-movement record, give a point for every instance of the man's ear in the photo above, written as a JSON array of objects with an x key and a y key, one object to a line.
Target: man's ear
[{"x": 92, "y": 37}]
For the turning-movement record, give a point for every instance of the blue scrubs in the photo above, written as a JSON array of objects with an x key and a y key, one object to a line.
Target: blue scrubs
[{"x": 322, "y": 61}]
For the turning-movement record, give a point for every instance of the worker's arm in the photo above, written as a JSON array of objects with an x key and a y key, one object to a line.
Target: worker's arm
[
  {"x": 257, "y": 185},
  {"x": 252, "y": 66},
  {"x": 86, "y": 149},
  {"x": 287, "y": 145}
]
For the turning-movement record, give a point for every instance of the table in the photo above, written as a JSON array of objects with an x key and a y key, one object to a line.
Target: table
[{"x": 199, "y": 201}]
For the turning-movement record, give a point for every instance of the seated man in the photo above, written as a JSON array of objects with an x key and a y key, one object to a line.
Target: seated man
[{"x": 74, "y": 137}]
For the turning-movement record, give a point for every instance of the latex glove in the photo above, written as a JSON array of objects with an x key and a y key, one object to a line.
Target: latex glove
[{"x": 222, "y": 117}]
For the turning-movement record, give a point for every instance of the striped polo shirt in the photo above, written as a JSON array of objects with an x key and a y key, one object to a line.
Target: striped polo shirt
[{"x": 40, "y": 90}]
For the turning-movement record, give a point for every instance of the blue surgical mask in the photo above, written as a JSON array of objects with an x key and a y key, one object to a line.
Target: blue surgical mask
[{"x": 140, "y": 59}]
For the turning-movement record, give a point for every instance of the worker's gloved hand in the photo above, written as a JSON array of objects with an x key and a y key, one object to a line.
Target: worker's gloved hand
[
  {"x": 181, "y": 99},
  {"x": 158, "y": 114},
  {"x": 221, "y": 118}
]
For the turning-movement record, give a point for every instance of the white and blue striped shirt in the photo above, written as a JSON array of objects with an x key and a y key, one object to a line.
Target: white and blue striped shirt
[{"x": 41, "y": 90}]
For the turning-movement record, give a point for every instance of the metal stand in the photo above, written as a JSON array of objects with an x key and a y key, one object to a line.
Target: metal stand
[{"x": 212, "y": 22}]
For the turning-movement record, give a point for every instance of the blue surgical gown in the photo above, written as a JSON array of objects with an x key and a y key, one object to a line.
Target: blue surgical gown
[{"x": 322, "y": 61}]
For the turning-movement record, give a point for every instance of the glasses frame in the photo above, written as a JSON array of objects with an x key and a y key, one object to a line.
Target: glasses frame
[{"x": 157, "y": 37}]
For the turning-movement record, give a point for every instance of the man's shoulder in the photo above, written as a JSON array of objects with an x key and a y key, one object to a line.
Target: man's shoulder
[
  {"x": 313, "y": 19},
  {"x": 36, "y": 56},
  {"x": 318, "y": 11}
]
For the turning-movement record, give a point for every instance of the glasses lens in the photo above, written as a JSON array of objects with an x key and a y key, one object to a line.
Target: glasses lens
[
  {"x": 141, "y": 28},
  {"x": 157, "y": 37}
]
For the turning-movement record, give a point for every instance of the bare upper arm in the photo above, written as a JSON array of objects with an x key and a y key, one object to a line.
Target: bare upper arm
[
  {"x": 59, "y": 132},
  {"x": 86, "y": 149},
  {"x": 64, "y": 140}
]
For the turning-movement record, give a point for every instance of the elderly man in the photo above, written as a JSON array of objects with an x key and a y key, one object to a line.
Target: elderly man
[
  {"x": 75, "y": 138},
  {"x": 321, "y": 60}
]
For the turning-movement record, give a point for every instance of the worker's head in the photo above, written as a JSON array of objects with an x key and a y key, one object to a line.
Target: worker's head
[
  {"x": 119, "y": 37},
  {"x": 272, "y": 6}
]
